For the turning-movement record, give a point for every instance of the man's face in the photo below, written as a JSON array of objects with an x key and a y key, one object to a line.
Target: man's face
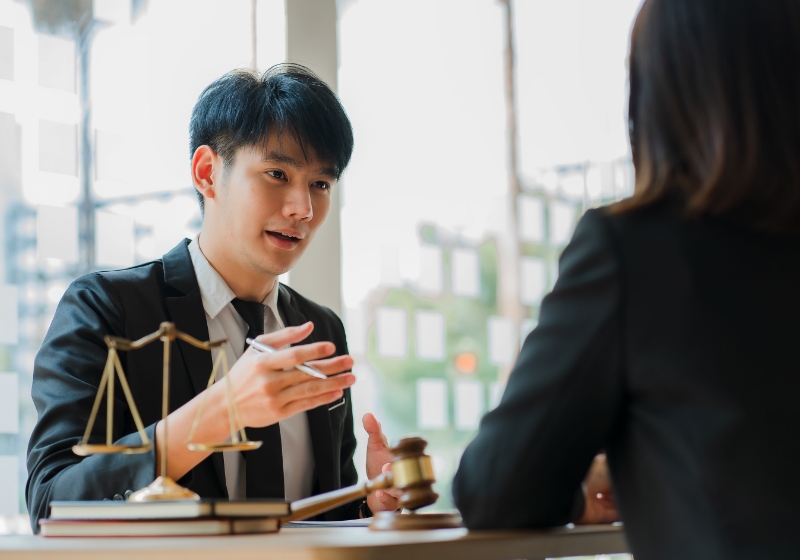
[{"x": 271, "y": 203}]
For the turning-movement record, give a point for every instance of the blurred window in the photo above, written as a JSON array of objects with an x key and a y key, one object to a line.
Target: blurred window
[
  {"x": 453, "y": 219},
  {"x": 133, "y": 72}
]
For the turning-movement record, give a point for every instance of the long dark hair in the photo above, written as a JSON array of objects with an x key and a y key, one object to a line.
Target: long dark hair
[{"x": 715, "y": 109}]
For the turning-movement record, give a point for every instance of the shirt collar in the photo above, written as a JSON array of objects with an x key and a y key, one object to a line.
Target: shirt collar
[
  {"x": 271, "y": 301},
  {"x": 214, "y": 292}
]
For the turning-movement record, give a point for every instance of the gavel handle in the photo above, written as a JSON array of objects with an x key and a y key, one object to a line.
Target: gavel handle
[{"x": 309, "y": 507}]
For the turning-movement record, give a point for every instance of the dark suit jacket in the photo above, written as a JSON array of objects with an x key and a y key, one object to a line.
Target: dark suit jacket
[
  {"x": 673, "y": 345},
  {"x": 131, "y": 303}
]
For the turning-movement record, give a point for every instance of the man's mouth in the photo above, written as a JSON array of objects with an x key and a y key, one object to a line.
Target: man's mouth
[
  {"x": 280, "y": 235},
  {"x": 284, "y": 240}
]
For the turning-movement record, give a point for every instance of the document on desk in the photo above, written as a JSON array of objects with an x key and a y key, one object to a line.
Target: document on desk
[{"x": 318, "y": 524}]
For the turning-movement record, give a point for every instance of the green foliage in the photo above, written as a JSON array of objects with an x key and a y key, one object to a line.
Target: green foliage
[{"x": 466, "y": 331}]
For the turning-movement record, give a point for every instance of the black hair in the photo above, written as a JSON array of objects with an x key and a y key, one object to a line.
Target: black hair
[
  {"x": 243, "y": 109},
  {"x": 715, "y": 108}
]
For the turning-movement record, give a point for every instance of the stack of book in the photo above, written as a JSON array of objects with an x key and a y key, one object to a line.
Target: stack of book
[{"x": 148, "y": 519}]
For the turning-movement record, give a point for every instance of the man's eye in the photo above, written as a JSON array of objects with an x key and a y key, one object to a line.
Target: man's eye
[
  {"x": 277, "y": 174},
  {"x": 322, "y": 185}
]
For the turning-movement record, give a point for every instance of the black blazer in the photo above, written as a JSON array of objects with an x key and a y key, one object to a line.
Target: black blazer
[
  {"x": 673, "y": 345},
  {"x": 132, "y": 303}
]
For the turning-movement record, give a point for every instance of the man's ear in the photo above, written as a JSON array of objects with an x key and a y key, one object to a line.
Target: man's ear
[{"x": 206, "y": 170}]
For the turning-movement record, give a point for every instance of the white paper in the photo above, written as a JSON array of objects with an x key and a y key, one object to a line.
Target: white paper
[
  {"x": 562, "y": 215},
  {"x": 496, "y": 389},
  {"x": 390, "y": 266},
  {"x": 533, "y": 280},
  {"x": 113, "y": 239},
  {"x": 465, "y": 279},
  {"x": 525, "y": 328},
  {"x": 9, "y": 403},
  {"x": 431, "y": 403},
  {"x": 530, "y": 218},
  {"x": 9, "y": 314},
  {"x": 57, "y": 63},
  {"x": 430, "y": 335},
  {"x": 430, "y": 273},
  {"x": 57, "y": 233},
  {"x": 502, "y": 341},
  {"x": 468, "y": 404},
  {"x": 58, "y": 148},
  {"x": 392, "y": 332},
  {"x": 9, "y": 485}
]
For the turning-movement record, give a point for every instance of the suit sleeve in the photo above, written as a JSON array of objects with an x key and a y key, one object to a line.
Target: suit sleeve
[
  {"x": 66, "y": 376},
  {"x": 526, "y": 465}
]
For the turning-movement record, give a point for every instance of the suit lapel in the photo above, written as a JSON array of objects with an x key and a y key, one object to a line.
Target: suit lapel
[
  {"x": 186, "y": 311},
  {"x": 319, "y": 420}
]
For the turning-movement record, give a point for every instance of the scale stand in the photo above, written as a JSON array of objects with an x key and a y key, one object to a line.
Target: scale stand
[{"x": 163, "y": 487}]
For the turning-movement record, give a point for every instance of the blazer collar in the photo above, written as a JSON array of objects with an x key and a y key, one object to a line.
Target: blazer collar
[
  {"x": 178, "y": 269},
  {"x": 186, "y": 311}
]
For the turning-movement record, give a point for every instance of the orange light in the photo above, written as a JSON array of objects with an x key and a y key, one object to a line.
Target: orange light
[{"x": 466, "y": 362}]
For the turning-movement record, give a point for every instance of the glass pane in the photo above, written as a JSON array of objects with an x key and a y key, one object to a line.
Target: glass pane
[
  {"x": 434, "y": 219},
  {"x": 149, "y": 62},
  {"x": 425, "y": 213}
]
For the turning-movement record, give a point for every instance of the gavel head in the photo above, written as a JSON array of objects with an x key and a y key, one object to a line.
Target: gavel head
[{"x": 412, "y": 473}]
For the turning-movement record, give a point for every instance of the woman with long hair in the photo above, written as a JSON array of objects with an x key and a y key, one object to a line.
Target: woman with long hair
[{"x": 670, "y": 340}]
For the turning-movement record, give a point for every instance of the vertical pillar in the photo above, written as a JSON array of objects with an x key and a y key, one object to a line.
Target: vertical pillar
[
  {"x": 311, "y": 41},
  {"x": 508, "y": 247}
]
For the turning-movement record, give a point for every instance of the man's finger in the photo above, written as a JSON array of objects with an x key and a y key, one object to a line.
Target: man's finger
[
  {"x": 334, "y": 366},
  {"x": 389, "y": 502},
  {"x": 316, "y": 387},
  {"x": 286, "y": 378},
  {"x": 289, "y": 335},
  {"x": 290, "y": 357},
  {"x": 394, "y": 493},
  {"x": 373, "y": 428},
  {"x": 303, "y": 405}
]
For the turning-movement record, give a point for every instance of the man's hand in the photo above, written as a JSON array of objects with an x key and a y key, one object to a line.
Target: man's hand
[
  {"x": 379, "y": 460},
  {"x": 600, "y": 504},
  {"x": 267, "y": 391}
]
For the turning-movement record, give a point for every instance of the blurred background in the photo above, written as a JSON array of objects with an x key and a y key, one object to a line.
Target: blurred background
[{"x": 484, "y": 129}]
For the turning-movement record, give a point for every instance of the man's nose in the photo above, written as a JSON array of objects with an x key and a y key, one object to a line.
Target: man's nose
[{"x": 297, "y": 204}]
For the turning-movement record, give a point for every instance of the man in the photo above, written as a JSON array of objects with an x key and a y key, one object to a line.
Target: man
[{"x": 266, "y": 152}]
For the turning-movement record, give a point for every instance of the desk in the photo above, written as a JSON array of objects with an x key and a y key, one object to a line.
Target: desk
[{"x": 330, "y": 544}]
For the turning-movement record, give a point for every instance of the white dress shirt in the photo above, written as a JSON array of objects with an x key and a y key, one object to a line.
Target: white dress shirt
[{"x": 224, "y": 322}]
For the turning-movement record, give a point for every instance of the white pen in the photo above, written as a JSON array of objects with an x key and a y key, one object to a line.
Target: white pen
[{"x": 305, "y": 368}]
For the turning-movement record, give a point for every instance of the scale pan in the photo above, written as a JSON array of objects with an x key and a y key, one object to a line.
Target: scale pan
[
  {"x": 86, "y": 449},
  {"x": 217, "y": 447}
]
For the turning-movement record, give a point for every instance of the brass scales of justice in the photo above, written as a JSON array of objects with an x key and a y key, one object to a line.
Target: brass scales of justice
[{"x": 411, "y": 470}]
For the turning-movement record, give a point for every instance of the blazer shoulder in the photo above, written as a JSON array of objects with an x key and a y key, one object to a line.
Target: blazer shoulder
[
  {"x": 664, "y": 213},
  {"x": 145, "y": 272},
  {"x": 106, "y": 294},
  {"x": 105, "y": 283}
]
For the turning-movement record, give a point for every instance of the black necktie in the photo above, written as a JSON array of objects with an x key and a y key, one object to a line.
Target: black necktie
[{"x": 264, "y": 466}]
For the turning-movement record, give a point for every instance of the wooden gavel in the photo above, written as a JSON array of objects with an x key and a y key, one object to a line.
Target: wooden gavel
[{"x": 411, "y": 473}]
